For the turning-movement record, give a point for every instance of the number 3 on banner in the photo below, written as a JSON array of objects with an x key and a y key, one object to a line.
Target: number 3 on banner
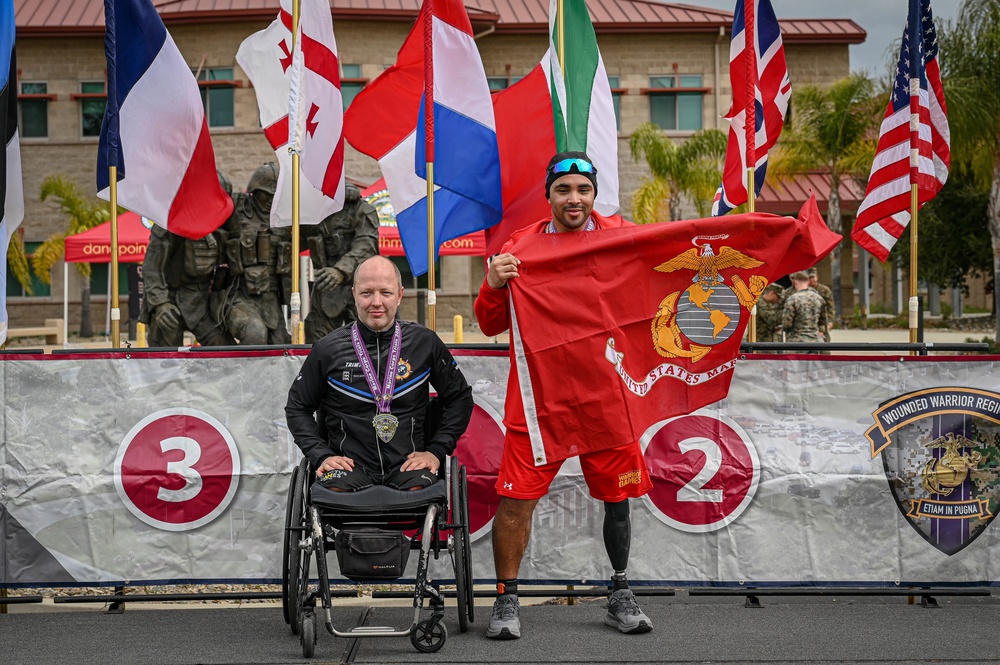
[
  {"x": 185, "y": 468},
  {"x": 704, "y": 469},
  {"x": 177, "y": 469}
]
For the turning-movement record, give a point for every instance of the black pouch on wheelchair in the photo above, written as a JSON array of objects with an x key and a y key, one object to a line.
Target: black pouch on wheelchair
[{"x": 372, "y": 553}]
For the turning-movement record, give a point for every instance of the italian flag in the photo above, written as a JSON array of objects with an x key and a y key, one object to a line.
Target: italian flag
[{"x": 548, "y": 112}]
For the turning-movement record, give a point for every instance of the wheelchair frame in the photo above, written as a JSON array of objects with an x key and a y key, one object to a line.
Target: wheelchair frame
[{"x": 314, "y": 515}]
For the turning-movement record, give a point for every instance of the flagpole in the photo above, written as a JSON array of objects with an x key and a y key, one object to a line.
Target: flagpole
[
  {"x": 915, "y": 37},
  {"x": 429, "y": 150},
  {"x": 116, "y": 314},
  {"x": 750, "y": 125},
  {"x": 914, "y": 298},
  {"x": 561, "y": 34},
  {"x": 295, "y": 301}
]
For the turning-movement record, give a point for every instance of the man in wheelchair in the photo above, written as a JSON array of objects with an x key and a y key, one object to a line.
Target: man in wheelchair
[{"x": 358, "y": 407}]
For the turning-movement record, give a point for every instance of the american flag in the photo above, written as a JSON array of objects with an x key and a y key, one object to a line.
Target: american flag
[
  {"x": 771, "y": 102},
  {"x": 914, "y": 140}
]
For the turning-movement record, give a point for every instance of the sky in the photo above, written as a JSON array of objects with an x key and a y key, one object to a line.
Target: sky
[{"x": 882, "y": 19}]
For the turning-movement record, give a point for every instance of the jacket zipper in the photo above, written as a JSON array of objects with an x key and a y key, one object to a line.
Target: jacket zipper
[{"x": 378, "y": 375}]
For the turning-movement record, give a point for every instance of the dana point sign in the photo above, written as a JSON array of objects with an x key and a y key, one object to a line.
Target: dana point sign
[{"x": 133, "y": 252}]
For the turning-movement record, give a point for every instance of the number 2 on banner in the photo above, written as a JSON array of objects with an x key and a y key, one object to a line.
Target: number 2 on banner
[
  {"x": 695, "y": 490},
  {"x": 704, "y": 469}
]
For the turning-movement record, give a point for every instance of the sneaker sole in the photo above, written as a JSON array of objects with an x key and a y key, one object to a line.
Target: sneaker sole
[
  {"x": 641, "y": 627},
  {"x": 503, "y": 634}
]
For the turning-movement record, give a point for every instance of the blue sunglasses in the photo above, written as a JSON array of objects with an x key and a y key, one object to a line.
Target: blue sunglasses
[{"x": 566, "y": 165}]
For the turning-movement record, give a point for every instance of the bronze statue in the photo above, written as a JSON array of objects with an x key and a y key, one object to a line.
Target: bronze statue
[
  {"x": 258, "y": 257},
  {"x": 337, "y": 246},
  {"x": 178, "y": 276}
]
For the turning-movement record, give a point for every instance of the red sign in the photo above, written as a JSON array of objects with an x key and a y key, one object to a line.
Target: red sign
[
  {"x": 177, "y": 469},
  {"x": 704, "y": 470},
  {"x": 480, "y": 450}
]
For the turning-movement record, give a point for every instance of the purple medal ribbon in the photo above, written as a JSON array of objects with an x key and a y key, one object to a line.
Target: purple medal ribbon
[{"x": 385, "y": 424}]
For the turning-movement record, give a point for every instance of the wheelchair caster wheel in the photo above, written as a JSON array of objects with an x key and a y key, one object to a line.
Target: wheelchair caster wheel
[
  {"x": 428, "y": 636},
  {"x": 307, "y": 634}
]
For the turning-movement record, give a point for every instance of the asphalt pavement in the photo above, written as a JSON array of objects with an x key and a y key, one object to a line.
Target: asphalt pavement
[{"x": 687, "y": 629}]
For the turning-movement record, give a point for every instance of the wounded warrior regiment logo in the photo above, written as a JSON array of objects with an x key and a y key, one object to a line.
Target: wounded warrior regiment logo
[
  {"x": 940, "y": 450},
  {"x": 690, "y": 323}
]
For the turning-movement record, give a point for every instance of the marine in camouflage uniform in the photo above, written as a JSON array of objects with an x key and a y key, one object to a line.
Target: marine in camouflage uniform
[
  {"x": 178, "y": 276},
  {"x": 258, "y": 257},
  {"x": 804, "y": 314},
  {"x": 769, "y": 311},
  {"x": 826, "y": 293},
  {"x": 337, "y": 246}
]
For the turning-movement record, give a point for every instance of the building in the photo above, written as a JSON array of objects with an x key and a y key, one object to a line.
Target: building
[{"x": 667, "y": 62}]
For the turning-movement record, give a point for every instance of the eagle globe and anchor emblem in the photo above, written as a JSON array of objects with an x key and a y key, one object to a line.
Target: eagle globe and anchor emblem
[
  {"x": 708, "y": 312},
  {"x": 688, "y": 324}
]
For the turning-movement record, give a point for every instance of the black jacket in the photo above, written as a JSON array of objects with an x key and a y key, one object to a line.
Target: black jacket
[{"x": 332, "y": 383}]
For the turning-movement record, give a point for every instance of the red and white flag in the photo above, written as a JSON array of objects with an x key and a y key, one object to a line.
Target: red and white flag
[
  {"x": 315, "y": 106},
  {"x": 618, "y": 329},
  {"x": 266, "y": 57},
  {"x": 914, "y": 139}
]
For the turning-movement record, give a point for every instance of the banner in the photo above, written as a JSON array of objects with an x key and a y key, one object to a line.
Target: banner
[{"x": 171, "y": 468}]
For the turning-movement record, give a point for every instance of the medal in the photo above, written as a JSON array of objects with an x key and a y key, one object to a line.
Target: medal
[
  {"x": 384, "y": 422},
  {"x": 385, "y": 426}
]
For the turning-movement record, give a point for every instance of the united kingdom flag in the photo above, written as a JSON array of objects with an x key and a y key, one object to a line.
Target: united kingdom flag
[
  {"x": 914, "y": 139},
  {"x": 771, "y": 94}
]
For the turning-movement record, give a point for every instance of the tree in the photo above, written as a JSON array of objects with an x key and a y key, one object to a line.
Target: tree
[
  {"x": 83, "y": 215},
  {"x": 17, "y": 260},
  {"x": 693, "y": 168},
  {"x": 831, "y": 130},
  {"x": 970, "y": 69},
  {"x": 953, "y": 228}
]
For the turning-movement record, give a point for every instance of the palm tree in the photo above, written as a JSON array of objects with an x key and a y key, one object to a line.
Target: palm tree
[
  {"x": 83, "y": 215},
  {"x": 970, "y": 68},
  {"x": 17, "y": 260},
  {"x": 693, "y": 169},
  {"x": 831, "y": 130}
]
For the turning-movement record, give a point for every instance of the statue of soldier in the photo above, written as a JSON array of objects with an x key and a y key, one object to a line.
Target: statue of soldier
[
  {"x": 258, "y": 257},
  {"x": 337, "y": 246},
  {"x": 178, "y": 276}
]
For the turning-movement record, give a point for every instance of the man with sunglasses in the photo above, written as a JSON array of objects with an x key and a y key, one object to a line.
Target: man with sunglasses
[{"x": 613, "y": 475}]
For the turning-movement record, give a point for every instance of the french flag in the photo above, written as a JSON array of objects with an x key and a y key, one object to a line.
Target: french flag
[
  {"x": 385, "y": 121},
  {"x": 155, "y": 130}
]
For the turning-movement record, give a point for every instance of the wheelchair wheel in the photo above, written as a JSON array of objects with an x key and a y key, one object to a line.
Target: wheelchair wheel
[
  {"x": 461, "y": 546},
  {"x": 429, "y": 636},
  {"x": 308, "y": 634},
  {"x": 286, "y": 546},
  {"x": 295, "y": 591}
]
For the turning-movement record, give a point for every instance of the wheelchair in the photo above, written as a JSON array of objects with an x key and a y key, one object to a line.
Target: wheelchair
[{"x": 368, "y": 530}]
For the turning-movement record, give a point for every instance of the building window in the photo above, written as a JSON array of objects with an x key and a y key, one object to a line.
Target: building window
[
  {"x": 616, "y": 98},
  {"x": 498, "y": 82},
  {"x": 99, "y": 285},
  {"x": 93, "y": 101},
  {"x": 675, "y": 102},
  {"x": 351, "y": 83},
  {"x": 34, "y": 117},
  {"x": 38, "y": 287},
  {"x": 217, "y": 85}
]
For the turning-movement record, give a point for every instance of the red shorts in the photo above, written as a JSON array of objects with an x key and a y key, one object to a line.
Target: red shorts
[{"x": 612, "y": 475}]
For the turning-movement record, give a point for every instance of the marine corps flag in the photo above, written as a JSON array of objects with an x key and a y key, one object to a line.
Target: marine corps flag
[{"x": 618, "y": 329}]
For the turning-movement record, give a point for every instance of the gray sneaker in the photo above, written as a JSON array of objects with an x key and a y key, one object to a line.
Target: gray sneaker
[
  {"x": 505, "y": 622},
  {"x": 624, "y": 613}
]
